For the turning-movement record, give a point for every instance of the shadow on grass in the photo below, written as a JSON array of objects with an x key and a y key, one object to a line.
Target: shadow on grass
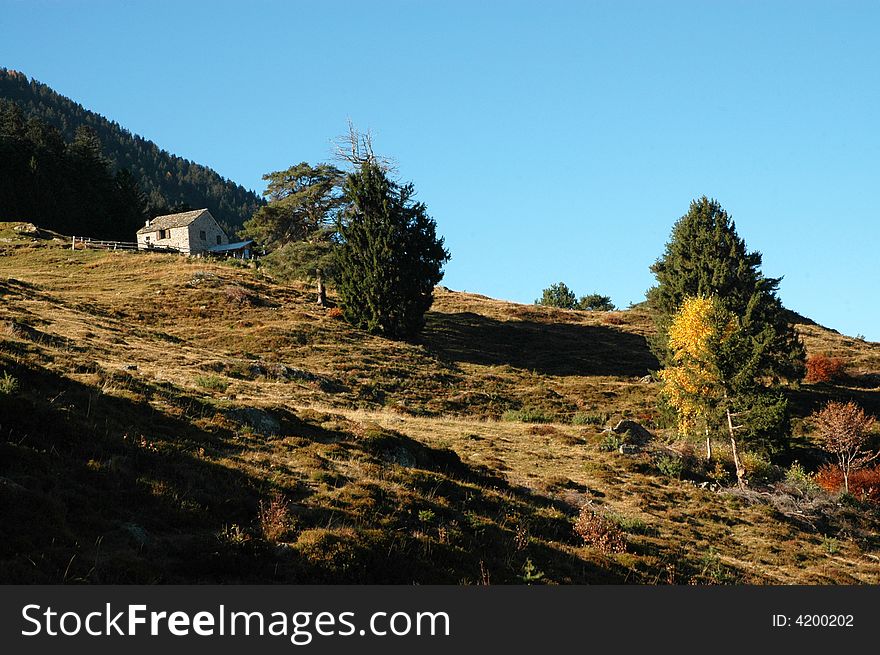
[
  {"x": 106, "y": 489},
  {"x": 549, "y": 349}
]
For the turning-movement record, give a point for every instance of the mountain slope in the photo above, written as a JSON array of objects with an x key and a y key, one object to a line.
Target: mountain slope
[
  {"x": 163, "y": 402},
  {"x": 166, "y": 180}
]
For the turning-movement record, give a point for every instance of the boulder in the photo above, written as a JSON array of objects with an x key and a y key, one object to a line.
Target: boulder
[
  {"x": 259, "y": 420},
  {"x": 637, "y": 434}
]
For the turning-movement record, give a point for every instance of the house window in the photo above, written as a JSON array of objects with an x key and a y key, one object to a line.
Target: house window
[
  {"x": 203, "y": 235},
  {"x": 219, "y": 240},
  {"x": 163, "y": 234}
]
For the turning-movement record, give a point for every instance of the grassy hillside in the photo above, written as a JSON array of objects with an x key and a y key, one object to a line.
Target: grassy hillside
[{"x": 160, "y": 403}]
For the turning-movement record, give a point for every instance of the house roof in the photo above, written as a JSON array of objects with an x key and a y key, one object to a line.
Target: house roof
[
  {"x": 172, "y": 220},
  {"x": 231, "y": 246}
]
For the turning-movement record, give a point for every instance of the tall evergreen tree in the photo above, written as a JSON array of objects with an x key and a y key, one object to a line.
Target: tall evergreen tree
[
  {"x": 706, "y": 257},
  {"x": 390, "y": 257}
]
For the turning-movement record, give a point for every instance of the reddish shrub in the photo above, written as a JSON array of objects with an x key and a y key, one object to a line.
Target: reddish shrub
[
  {"x": 600, "y": 532},
  {"x": 822, "y": 368},
  {"x": 334, "y": 312},
  {"x": 612, "y": 319},
  {"x": 864, "y": 484}
]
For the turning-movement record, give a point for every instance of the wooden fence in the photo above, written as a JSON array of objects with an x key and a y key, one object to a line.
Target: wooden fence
[{"x": 100, "y": 244}]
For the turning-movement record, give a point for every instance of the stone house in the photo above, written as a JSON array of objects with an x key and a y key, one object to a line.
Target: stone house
[{"x": 191, "y": 233}]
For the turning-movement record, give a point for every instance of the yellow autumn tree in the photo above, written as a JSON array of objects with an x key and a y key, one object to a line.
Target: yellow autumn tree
[{"x": 697, "y": 382}]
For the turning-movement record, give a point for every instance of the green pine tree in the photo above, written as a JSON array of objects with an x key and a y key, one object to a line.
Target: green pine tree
[
  {"x": 558, "y": 295},
  {"x": 706, "y": 257},
  {"x": 390, "y": 257}
]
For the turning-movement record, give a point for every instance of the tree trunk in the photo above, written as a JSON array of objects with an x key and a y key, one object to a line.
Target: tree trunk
[
  {"x": 322, "y": 293},
  {"x": 708, "y": 446},
  {"x": 740, "y": 469},
  {"x": 846, "y": 480}
]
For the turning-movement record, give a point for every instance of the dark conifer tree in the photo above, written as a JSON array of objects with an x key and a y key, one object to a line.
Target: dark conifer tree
[
  {"x": 706, "y": 256},
  {"x": 390, "y": 257}
]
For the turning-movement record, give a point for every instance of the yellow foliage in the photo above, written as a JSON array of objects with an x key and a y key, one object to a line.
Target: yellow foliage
[{"x": 691, "y": 385}]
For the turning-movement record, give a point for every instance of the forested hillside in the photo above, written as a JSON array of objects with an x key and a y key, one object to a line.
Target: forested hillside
[{"x": 167, "y": 182}]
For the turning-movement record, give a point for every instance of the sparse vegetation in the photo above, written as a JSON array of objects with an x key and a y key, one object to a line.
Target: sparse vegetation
[
  {"x": 389, "y": 455},
  {"x": 8, "y": 384},
  {"x": 212, "y": 382},
  {"x": 599, "y": 531},
  {"x": 822, "y": 368}
]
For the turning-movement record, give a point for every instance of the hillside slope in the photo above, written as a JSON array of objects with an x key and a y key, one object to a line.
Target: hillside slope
[
  {"x": 167, "y": 181},
  {"x": 161, "y": 402}
]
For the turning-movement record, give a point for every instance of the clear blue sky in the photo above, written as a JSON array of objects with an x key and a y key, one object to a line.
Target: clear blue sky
[{"x": 550, "y": 140}]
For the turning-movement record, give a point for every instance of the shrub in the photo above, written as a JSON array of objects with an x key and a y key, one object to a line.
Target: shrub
[
  {"x": 843, "y": 430},
  {"x": 611, "y": 442},
  {"x": 582, "y": 418},
  {"x": 797, "y": 477},
  {"x": 212, "y": 382},
  {"x": 530, "y": 573},
  {"x": 822, "y": 368},
  {"x": 275, "y": 518},
  {"x": 671, "y": 465},
  {"x": 600, "y": 532},
  {"x": 759, "y": 468},
  {"x": 558, "y": 295},
  {"x": 238, "y": 295},
  {"x": 8, "y": 384},
  {"x": 596, "y": 302},
  {"x": 612, "y": 319},
  {"x": 864, "y": 484},
  {"x": 527, "y": 415},
  {"x": 334, "y": 312}
]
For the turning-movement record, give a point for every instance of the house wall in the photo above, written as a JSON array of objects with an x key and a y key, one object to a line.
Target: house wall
[
  {"x": 178, "y": 238},
  {"x": 204, "y": 223}
]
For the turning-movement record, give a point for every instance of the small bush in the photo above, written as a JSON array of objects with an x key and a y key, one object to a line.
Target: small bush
[
  {"x": 8, "y": 384},
  {"x": 611, "y": 442},
  {"x": 864, "y": 484},
  {"x": 582, "y": 418},
  {"x": 275, "y": 518},
  {"x": 334, "y": 312},
  {"x": 238, "y": 295},
  {"x": 632, "y": 524},
  {"x": 530, "y": 573},
  {"x": 759, "y": 468},
  {"x": 527, "y": 415},
  {"x": 671, "y": 465},
  {"x": 797, "y": 477},
  {"x": 612, "y": 319},
  {"x": 822, "y": 368},
  {"x": 596, "y": 302},
  {"x": 558, "y": 295},
  {"x": 599, "y": 531},
  {"x": 212, "y": 382}
]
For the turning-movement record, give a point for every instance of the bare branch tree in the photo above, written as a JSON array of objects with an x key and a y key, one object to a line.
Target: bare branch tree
[
  {"x": 844, "y": 431},
  {"x": 356, "y": 148}
]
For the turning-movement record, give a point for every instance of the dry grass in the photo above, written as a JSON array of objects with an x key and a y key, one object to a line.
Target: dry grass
[{"x": 164, "y": 402}]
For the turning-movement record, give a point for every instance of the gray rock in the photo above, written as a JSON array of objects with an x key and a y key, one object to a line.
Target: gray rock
[
  {"x": 647, "y": 379},
  {"x": 637, "y": 434},
  {"x": 628, "y": 449},
  {"x": 259, "y": 420}
]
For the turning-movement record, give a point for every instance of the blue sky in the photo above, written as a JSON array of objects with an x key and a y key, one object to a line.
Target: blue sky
[{"x": 550, "y": 140}]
